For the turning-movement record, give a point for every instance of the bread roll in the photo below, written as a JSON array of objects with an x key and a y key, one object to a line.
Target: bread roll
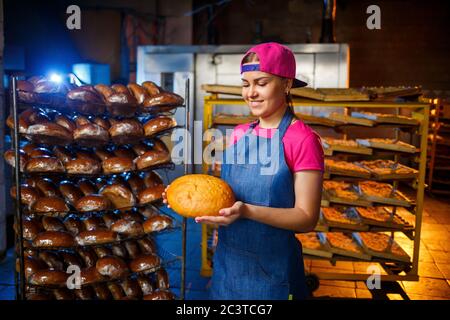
[
  {"x": 119, "y": 251},
  {"x": 52, "y": 260},
  {"x": 139, "y": 93},
  {"x": 62, "y": 154},
  {"x": 103, "y": 154},
  {"x": 102, "y": 252},
  {"x": 124, "y": 152},
  {"x": 140, "y": 148},
  {"x": 11, "y": 160},
  {"x": 162, "y": 279},
  {"x": 151, "y": 158},
  {"x": 38, "y": 152},
  {"x": 93, "y": 202},
  {"x": 83, "y": 166},
  {"x": 102, "y": 123},
  {"x": 26, "y": 91},
  {"x": 23, "y": 124},
  {"x": 131, "y": 288},
  {"x": 50, "y": 204},
  {"x": 71, "y": 259},
  {"x": 145, "y": 263},
  {"x": 86, "y": 94},
  {"x": 29, "y": 147},
  {"x": 109, "y": 219},
  {"x": 84, "y": 293},
  {"x": 160, "y": 295},
  {"x": 120, "y": 196},
  {"x": 89, "y": 257},
  {"x": 145, "y": 284},
  {"x": 70, "y": 192},
  {"x": 158, "y": 124},
  {"x": 116, "y": 291},
  {"x": 49, "y": 133},
  {"x": 30, "y": 229},
  {"x": 163, "y": 99},
  {"x": 81, "y": 154},
  {"x": 47, "y": 187},
  {"x": 49, "y": 278},
  {"x": 94, "y": 223},
  {"x": 73, "y": 225},
  {"x": 90, "y": 275},
  {"x": 85, "y": 238},
  {"x": 65, "y": 122},
  {"x": 90, "y": 134},
  {"x": 128, "y": 228},
  {"x": 199, "y": 195},
  {"x": 158, "y": 145},
  {"x": 157, "y": 223},
  {"x": 136, "y": 183},
  {"x": 31, "y": 265},
  {"x": 130, "y": 215},
  {"x": 151, "y": 194},
  {"x": 152, "y": 179},
  {"x": 117, "y": 165},
  {"x": 152, "y": 88},
  {"x": 126, "y": 131},
  {"x": 28, "y": 195},
  {"x": 86, "y": 187},
  {"x": 50, "y": 239},
  {"x": 44, "y": 164},
  {"x": 132, "y": 249},
  {"x": 147, "y": 246},
  {"x": 63, "y": 294},
  {"x": 112, "y": 267},
  {"x": 52, "y": 224},
  {"x": 119, "y": 101},
  {"x": 101, "y": 291}
]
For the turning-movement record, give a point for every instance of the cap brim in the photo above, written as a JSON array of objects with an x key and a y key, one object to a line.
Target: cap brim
[{"x": 298, "y": 84}]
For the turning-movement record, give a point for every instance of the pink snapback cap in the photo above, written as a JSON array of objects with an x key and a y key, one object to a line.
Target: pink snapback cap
[{"x": 275, "y": 59}]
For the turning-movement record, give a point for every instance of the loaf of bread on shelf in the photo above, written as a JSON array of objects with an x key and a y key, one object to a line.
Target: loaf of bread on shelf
[
  {"x": 136, "y": 183},
  {"x": 25, "y": 91},
  {"x": 151, "y": 158},
  {"x": 162, "y": 279},
  {"x": 63, "y": 154},
  {"x": 145, "y": 263},
  {"x": 124, "y": 152},
  {"x": 52, "y": 260},
  {"x": 88, "y": 255},
  {"x": 157, "y": 223},
  {"x": 112, "y": 267},
  {"x": 160, "y": 295},
  {"x": 116, "y": 291},
  {"x": 93, "y": 202},
  {"x": 40, "y": 152},
  {"x": 132, "y": 249},
  {"x": 145, "y": 284},
  {"x": 139, "y": 92},
  {"x": 118, "y": 165},
  {"x": 163, "y": 99},
  {"x": 128, "y": 228},
  {"x": 71, "y": 259},
  {"x": 23, "y": 124},
  {"x": 87, "y": 187},
  {"x": 96, "y": 237},
  {"x": 140, "y": 148},
  {"x": 90, "y": 275},
  {"x": 89, "y": 134},
  {"x": 152, "y": 88},
  {"x": 52, "y": 224},
  {"x": 120, "y": 195},
  {"x": 70, "y": 192},
  {"x": 199, "y": 195},
  {"x": 152, "y": 179},
  {"x": 83, "y": 166},
  {"x": 30, "y": 229},
  {"x": 102, "y": 252},
  {"x": 44, "y": 164},
  {"x": 28, "y": 195},
  {"x": 48, "y": 277},
  {"x": 11, "y": 160},
  {"x": 50, "y": 204},
  {"x": 126, "y": 131},
  {"x": 50, "y": 239},
  {"x": 49, "y": 133},
  {"x": 131, "y": 288},
  {"x": 65, "y": 122},
  {"x": 119, "y": 100},
  {"x": 158, "y": 124},
  {"x": 146, "y": 245},
  {"x": 151, "y": 194},
  {"x": 31, "y": 265},
  {"x": 73, "y": 224},
  {"x": 46, "y": 187}
]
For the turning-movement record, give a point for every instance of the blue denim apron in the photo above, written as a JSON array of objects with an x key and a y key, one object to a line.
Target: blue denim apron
[{"x": 255, "y": 261}]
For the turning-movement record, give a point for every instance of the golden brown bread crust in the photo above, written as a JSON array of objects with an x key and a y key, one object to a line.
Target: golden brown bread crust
[
  {"x": 152, "y": 179},
  {"x": 87, "y": 187},
  {"x": 151, "y": 158},
  {"x": 73, "y": 225},
  {"x": 50, "y": 239},
  {"x": 50, "y": 204},
  {"x": 65, "y": 122},
  {"x": 112, "y": 267},
  {"x": 126, "y": 131},
  {"x": 151, "y": 88},
  {"x": 116, "y": 291},
  {"x": 39, "y": 152},
  {"x": 49, "y": 278},
  {"x": 90, "y": 134},
  {"x": 23, "y": 124},
  {"x": 44, "y": 164},
  {"x": 52, "y": 224},
  {"x": 49, "y": 133},
  {"x": 146, "y": 246},
  {"x": 52, "y": 260},
  {"x": 63, "y": 154},
  {"x": 70, "y": 192},
  {"x": 103, "y": 154},
  {"x": 124, "y": 152},
  {"x": 83, "y": 166},
  {"x": 117, "y": 165},
  {"x": 28, "y": 195},
  {"x": 88, "y": 255},
  {"x": 145, "y": 284},
  {"x": 157, "y": 125},
  {"x": 96, "y": 237},
  {"x": 145, "y": 263},
  {"x": 131, "y": 288},
  {"x": 46, "y": 187},
  {"x": 11, "y": 160},
  {"x": 104, "y": 123},
  {"x": 139, "y": 92},
  {"x": 162, "y": 279},
  {"x": 30, "y": 229},
  {"x": 199, "y": 195},
  {"x": 93, "y": 202},
  {"x": 163, "y": 99},
  {"x": 129, "y": 228},
  {"x": 151, "y": 194},
  {"x": 136, "y": 183},
  {"x": 90, "y": 275},
  {"x": 120, "y": 196},
  {"x": 157, "y": 223}
]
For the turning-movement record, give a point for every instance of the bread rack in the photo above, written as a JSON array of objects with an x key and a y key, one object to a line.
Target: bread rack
[
  {"x": 419, "y": 110},
  {"x": 20, "y": 279}
]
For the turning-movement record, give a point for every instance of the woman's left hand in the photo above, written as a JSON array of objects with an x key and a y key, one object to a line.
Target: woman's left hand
[{"x": 226, "y": 217}]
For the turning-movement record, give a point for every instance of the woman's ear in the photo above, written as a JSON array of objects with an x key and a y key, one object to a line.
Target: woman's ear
[{"x": 289, "y": 83}]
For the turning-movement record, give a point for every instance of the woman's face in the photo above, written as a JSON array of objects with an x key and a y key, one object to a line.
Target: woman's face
[{"x": 263, "y": 92}]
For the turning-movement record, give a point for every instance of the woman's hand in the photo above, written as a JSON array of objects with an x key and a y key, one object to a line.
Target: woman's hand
[{"x": 227, "y": 215}]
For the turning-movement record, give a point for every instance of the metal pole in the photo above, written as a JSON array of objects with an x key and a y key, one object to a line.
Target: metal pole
[
  {"x": 187, "y": 151},
  {"x": 18, "y": 217}
]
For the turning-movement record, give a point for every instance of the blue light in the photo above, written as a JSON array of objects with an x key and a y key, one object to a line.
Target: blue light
[{"x": 56, "y": 78}]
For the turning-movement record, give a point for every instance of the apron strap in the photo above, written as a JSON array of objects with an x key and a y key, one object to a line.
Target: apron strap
[{"x": 285, "y": 122}]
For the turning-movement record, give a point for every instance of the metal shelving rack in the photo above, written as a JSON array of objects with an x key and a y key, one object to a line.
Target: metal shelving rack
[
  {"x": 420, "y": 111},
  {"x": 19, "y": 275}
]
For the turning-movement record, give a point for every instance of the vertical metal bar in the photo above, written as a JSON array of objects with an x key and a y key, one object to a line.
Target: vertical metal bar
[
  {"x": 187, "y": 151},
  {"x": 18, "y": 217},
  {"x": 421, "y": 188}
]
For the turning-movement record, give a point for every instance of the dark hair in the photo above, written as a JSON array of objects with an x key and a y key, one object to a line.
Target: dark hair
[{"x": 253, "y": 57}]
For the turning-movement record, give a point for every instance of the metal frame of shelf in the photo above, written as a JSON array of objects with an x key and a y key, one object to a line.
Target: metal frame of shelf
[{"x": 420, "y": 111}]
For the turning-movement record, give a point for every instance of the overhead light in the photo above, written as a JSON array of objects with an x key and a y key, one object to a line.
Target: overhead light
[{"x": 56, "y": 77}]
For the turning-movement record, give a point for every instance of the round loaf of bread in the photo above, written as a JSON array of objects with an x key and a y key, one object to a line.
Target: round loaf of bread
[{"x": 199, "y": 195}]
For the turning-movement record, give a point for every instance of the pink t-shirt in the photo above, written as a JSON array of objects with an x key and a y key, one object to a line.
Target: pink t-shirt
[{"x": 302, "y": 146}]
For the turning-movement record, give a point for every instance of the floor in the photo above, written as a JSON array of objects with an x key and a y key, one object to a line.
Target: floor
[{"x": 434, "y": 265}]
